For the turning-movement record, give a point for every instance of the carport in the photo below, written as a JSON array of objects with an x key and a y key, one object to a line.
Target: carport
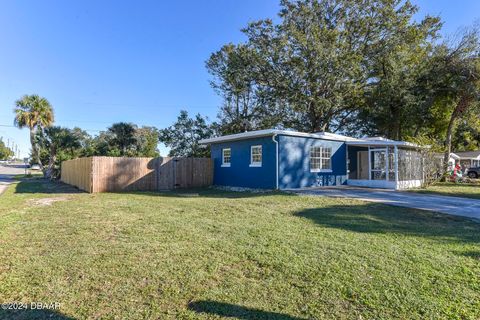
[{"x": 383, "y": 163}]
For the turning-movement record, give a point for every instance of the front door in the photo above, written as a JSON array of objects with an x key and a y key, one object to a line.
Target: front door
[{"x": 362, "y": 165}]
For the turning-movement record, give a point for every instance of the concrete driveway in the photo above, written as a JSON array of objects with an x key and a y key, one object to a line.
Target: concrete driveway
[
  {"x": 7, "y": 172},
  {"x": 450, "y": 205}
]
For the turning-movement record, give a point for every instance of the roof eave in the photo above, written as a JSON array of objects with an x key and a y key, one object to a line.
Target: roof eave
[
  {"x": 266, "y": 133},
  {"x": 367, "y": 143},
  {"x": 238, "y": 136}
]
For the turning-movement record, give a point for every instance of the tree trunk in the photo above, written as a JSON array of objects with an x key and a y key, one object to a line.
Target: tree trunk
[
  {"x": 448, "y": 142},
  {"x": 314, "y": 123},
  {"x": 51, "y": 163},
  {"x": 461, "y": 106},
  {"x": 395, "y": 126},
  {"x": 35, "y": 152}
]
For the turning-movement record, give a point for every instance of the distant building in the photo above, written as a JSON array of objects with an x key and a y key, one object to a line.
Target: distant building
[{"x": 466, "y": 159}]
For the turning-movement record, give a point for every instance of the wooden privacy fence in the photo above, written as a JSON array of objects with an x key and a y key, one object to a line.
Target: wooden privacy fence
[{"x": 103, "y": 174}]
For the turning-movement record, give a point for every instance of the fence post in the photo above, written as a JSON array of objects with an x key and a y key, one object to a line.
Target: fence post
[
  {"x": 91, "y": 178},
  {"x": 175, "y": 184},
  {"x": 157, "y": 174}
]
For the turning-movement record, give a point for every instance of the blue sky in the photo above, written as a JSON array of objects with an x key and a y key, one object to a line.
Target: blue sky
[{"x": 100, "y": 62}]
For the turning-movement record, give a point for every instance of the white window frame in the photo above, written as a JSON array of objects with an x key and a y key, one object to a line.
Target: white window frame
[
  {"x": 320, "y": 158},
  {"x": 374, "y": 169},
  {"x": 256, "y": 163},
  {"x": 226, "y": 164}
]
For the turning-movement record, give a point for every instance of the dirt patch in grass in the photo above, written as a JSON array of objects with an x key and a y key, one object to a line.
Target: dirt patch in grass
[{"x": 45, "y": 201}]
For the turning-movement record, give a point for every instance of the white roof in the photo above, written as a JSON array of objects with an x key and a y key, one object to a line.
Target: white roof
[
  {"x": 441, "y": 155},
  {"x": 466, "y": 155},
  {"x": 383, "y": 142},
  {"x": 377, "y": 138},
  {"x": 271, "y": 132},
  {"x": 378, "y": 141}
]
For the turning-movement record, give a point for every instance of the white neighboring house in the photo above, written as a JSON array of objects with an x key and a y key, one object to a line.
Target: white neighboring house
[{"x": 466, "y": 159}]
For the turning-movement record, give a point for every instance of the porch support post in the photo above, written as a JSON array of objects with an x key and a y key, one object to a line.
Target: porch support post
[
  {"x": 387, "y": 158},
  {"x": 369, "y": 165},
  {"x": 347, "y": 162},
  {"x": 395, "y": 161}
]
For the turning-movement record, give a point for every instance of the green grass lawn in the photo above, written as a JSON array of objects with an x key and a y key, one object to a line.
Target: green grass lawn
[
  {"x": 211, "y": 254},
  {"x": 466, "y": 190}
]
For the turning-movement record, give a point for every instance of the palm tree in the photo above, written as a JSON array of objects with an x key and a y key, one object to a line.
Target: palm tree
[
  {"x": 33, "y": 112},
  {"x": 123, "y": 136}
]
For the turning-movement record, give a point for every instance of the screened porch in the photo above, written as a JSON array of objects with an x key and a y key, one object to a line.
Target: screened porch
[{"x": 383, "y": 163}]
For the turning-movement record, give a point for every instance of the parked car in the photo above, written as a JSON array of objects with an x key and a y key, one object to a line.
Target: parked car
[
  {"x": 474, "y": 172},
  {"x": 35, "y": 167}
]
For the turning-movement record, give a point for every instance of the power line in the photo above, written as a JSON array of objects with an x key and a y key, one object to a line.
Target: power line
[
  {"x": 159, "y": 106},
  {"x": 146, "y": 106},
  {"x": 82, "y": 121},
  {"x": 93, "y": 130}
]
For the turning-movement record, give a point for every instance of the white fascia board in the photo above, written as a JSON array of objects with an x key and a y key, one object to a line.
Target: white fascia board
[
  {"x": 271, "y": 132},
  {"x": 384, "y": 143},
  {"x": 239, "y": 136}
]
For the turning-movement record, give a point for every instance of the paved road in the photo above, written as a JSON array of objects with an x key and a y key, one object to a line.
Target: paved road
[
  {"x": 7, "y": 172},
  {"x": 450, "y": 205}
]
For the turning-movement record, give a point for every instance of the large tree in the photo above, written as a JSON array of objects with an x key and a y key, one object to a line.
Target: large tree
[
  {"x": 449, "y": 90},
  {"x": 86, "y": 143},
  {"x": 35, "y": 113},
  {"x": 323, "y": 61},
  {"x": 125, "y": 139},
  {"x": 245, "y": 103},
  {"x": 57, "y": 144},
  {"x": 147, "y": 141},
  {"x": 5, "y": 152},
  {"x": 467, "y": 131},
  {"x": 459, "y": 71},
  {"x": 183, "y": 136},
  {"x": 396, "y": 93},
  {"x": 122, "y": 137}
]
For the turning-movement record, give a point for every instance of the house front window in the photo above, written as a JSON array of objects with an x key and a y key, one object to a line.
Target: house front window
[
  {"x": 320, "y": 159},
  {"x": 256, "y": 156},
  {"x": 226, "y": 157}
]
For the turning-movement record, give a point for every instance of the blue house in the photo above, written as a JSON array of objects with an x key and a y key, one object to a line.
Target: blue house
[{"x": 283, "y": 159}]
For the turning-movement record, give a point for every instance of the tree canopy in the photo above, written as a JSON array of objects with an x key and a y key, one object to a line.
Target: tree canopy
[
  {"x": 5, "y": 152},
  {"x": 350, "y": 66},
  {"x": 322, "y": 64},
  {"x": 35, "y": 113},
  {"x": 183, "y": 136},
  {"x": 57, "y": 145}
]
